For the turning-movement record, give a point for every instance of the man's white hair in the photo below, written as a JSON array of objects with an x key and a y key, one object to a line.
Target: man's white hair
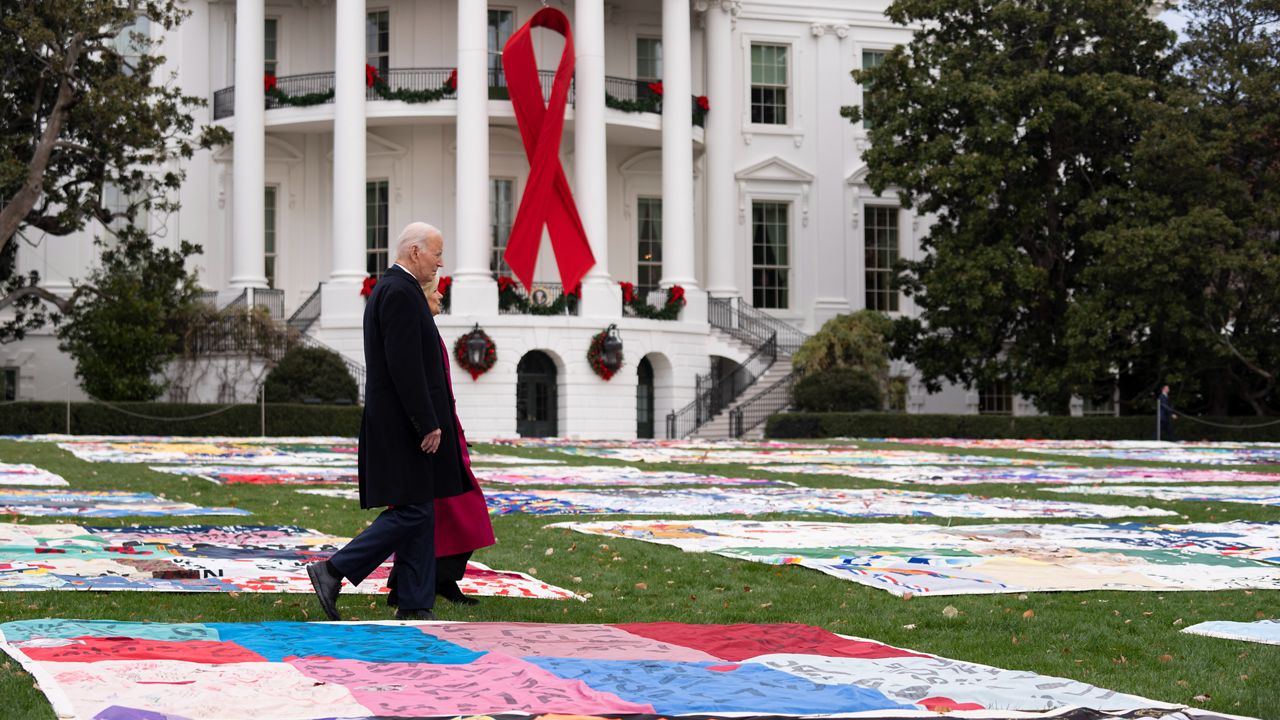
[{"x": 415, "y": 233}]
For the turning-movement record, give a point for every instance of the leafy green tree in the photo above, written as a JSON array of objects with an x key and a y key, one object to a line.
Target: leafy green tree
[
  {"x": 1013, "y": 124},
  {"x": 87, "y": 112},
  {"x": 839, "y": 389},
  {"x": 306, "y": 373},
  {"x": 1186, "y": 287},
  {"x": 125, "y": 320},
  {"x": 856, "y": 340}
]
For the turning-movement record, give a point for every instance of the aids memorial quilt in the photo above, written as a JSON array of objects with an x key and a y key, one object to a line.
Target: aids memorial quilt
[
  {"x": 202, "y": 558},
  {"x": 210, "y": 450},
  {"x": 956, "y": 475},
  {"x": 109, "y": 670},
  {"x": 553, "y": 443},
  {"x": 264, "y": 475},
  {"x": 791, "y": 457},
  {"x": 1210, "y": 453},
  {"x": 1250, "y": 494},
  {"x": 23, "y": 474},
  {"x": 100, "y": 504},
  {"x": 819, "y": 501},
  {"x": 1262, "y": 631},
  {"x": 920, "y": 560},
  {"x": 610, "y": 475}
]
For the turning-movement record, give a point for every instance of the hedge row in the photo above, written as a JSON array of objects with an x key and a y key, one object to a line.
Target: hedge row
[
  {"x": 870, "y": 425},
  {"x": 30, "y": 418}
]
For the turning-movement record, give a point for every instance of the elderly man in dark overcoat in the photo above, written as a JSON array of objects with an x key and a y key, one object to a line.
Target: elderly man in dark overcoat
[{"x": 409, "y": 452}]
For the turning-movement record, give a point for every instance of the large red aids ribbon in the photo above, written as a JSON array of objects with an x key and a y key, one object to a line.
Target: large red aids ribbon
[{"x": 547, "y": 198}]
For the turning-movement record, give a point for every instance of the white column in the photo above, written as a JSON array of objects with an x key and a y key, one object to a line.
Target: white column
[
  {"x": 722, "y": 259},
  {"x": 340, "y": 300},
  {"x": 248, "y": 265},
  {"x": 474, "y": 291},
  {"x": 833, "y": 232},
  {"x": 678, "y": 253},
  {"x": 601, "y": 296}
]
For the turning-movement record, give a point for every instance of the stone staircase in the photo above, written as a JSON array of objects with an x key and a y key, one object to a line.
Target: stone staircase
[{"x": 718, "y": 427}]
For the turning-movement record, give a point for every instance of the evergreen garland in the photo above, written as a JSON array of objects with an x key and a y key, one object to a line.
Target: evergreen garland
[
  {"x": 510, "y": 298},
  {"x": 670, "y": 309}
]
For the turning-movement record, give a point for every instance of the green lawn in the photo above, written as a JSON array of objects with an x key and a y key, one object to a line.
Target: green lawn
[{"x": 1125, "y": 641}]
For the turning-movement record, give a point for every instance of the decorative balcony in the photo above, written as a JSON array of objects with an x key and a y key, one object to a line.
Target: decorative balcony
[{"x": 431, "y": 84}]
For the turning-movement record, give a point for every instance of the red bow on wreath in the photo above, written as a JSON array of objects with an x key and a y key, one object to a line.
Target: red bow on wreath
[
  {"x": 628, "y": 292},
  {"x": 655, "y": 87},
  {"x": 505, "y": 282},
  {"x": 268, "y": 82},
  {"x": 452, "y": 82},
  {"x": 703, "y": 103},
  {"x": 445, "y": 283},
  {"x": 367, "y": 289},
  {"x": 370, "y": 75},
  {"x": 675, "y": 295}
]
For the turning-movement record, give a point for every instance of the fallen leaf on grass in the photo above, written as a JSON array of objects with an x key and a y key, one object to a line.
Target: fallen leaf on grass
[
  {"x": 950, "y": 611},
  {"x": 1166, "y": 658},
  {"x": 1202, "y": 698},
  {"x": 766, "y": 605},
  {"x": 642, "y": 586},
  {"x": 1028, "y": 614},
  {"x": 233, "y": 594},
  {"x": 912, "y": 626},
  {"x": 1178, "y": 621},
  {"x": 550, "y": 552}
]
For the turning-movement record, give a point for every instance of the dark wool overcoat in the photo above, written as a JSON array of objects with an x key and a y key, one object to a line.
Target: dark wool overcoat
[{"x": 406, "y": 397}]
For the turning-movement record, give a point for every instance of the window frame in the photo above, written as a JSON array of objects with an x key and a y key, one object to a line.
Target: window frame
[
  {"x": 787, "y": 87},
  {"x": 9, "y": 390},
  {"x": 274, "y": 62},
  {"x": 371, "y": 228},
  {"x": 645, "y": 37},
  {"x": 643, "y": 200},
  {"x": 382, "y": 55},
  {"x": 863, "y": 50},
  {"x": 868, "y": 272},
  {"x": 497, "y": 265},
  {"x": 493, "y": 59},
  {"x": 270, "y": 254},
  {"x": 991, "y": 390},
  {"x": 788, "y": 276}
]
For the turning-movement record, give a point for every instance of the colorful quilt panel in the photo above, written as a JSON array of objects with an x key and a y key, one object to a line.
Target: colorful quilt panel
[
  {"x": 820, "y": 501},
  {"x": 23, "y": 474},
  {"x": 107, "y": 670},
  {"x": 918, "y": 559},
  {"x": 1262, "y": 631},
  {"x": 40, "y": 502},
  {"x": 202, "y": 558}
]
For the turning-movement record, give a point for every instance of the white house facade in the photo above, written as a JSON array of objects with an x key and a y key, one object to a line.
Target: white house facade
[{"x": 757, "y": 208}]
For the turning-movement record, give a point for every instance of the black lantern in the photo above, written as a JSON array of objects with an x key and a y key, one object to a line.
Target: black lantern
[
  {"x": 476, "y": 346},
  {"x": 611, "y": 348}
]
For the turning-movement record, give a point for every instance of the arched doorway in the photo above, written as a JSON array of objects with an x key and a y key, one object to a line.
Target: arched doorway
[
  {"x": 536, "y": 396},
  {"x": 644, "y": 399}
]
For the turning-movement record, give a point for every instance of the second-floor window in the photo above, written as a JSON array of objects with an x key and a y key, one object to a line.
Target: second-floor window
[
  {"x": 770, "y": 255},
  {"x": 768, "y": 84},
  {"x": 649, "y": 262},
  {"x": 271, "y": 45},
  {"x": 269, "y": 235},
  {"x": 502, "y": 213},
  {"x": 880, "y": 254},
  {"x": 648, "y": 58},
  {"x": 377, "y": 40},
  {"x": 376, "y": 193},
  {"x": 501, "y": 24},
  {"x": 870, "y": 59}
]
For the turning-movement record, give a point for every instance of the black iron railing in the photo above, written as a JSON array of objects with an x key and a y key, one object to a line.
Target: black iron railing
[
  {"x": 718, "y": 393},
  {"x": 546, "y": 299},
  {"x": 307, "y": 313},
  {"x": 770, "y": 401},
  {"x": 752, "y": 326},
  {"x": 268, "y": 299}
]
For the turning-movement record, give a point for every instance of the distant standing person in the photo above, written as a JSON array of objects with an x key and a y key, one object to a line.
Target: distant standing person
[
  {"x": 1166, "y": 415},
  {"x": 409, "y": 453}
]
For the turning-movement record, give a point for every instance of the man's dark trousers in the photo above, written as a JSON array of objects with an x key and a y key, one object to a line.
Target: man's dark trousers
[{"x": 409, "y": 532}]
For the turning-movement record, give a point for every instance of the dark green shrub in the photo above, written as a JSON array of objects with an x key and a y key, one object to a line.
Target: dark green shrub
[
  {"x": 1051, "y": 427},
  {"x": 36, "y": 418},
  {"x": 308, "y": 374},
  {"x": 838, "y": 390}
]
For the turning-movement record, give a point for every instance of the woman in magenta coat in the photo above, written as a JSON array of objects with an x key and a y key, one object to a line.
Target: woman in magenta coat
[{"x": 462, "y": 521}]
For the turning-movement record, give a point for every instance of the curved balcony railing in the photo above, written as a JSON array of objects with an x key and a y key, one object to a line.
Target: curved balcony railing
[{"x": 317, "y": 89}]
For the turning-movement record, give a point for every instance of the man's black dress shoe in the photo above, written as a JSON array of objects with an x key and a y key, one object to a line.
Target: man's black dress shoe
[
  {"x": 326, "y": 585},
  {"x": 402, "y": 614},
  {"x": 451, "y": 592}
]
